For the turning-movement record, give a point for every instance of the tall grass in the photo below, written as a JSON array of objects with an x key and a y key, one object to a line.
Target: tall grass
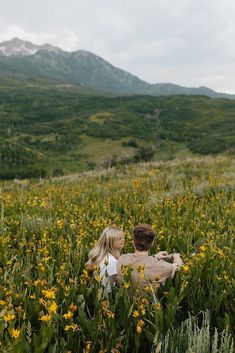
[{"x": 48, "y": 301}]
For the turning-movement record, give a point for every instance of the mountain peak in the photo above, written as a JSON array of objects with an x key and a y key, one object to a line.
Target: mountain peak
[
  {"x": 16, "y": 40},
  {"x": 19, "y": 47}
]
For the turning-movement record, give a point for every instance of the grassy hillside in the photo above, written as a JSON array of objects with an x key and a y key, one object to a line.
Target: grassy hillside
[
  {"x": 50, "y": 304},
  {"x": 47, "y": 129}
]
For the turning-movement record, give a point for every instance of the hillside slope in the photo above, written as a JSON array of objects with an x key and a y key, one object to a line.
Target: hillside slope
[{"x": 46, "y": 129}]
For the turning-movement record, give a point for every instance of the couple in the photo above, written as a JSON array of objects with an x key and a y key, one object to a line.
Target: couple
[{"x": 106, "y": 255}]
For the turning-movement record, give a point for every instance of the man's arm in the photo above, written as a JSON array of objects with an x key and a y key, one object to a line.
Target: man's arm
[
  {"x": 177, "y": 263},
  {"x": 161, "y": 255}
]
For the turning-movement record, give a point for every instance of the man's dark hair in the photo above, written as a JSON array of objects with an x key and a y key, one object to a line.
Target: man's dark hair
[{"x": 143, "y": 237}]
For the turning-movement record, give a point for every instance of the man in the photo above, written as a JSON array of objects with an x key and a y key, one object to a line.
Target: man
[{"x": 147, "y": 269}]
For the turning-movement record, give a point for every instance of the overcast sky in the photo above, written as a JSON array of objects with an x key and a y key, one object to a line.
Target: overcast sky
[{"x": 186, "y": 42}]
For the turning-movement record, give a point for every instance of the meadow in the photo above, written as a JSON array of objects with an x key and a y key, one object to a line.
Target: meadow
[{"x": 50, "y": 303}]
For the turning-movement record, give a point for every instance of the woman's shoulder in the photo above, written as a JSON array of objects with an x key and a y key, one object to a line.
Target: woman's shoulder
[{"x": 111, "y": 258}]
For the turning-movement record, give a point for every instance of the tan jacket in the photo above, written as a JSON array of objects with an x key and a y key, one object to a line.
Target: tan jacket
[{"x": 145, "y": 269}]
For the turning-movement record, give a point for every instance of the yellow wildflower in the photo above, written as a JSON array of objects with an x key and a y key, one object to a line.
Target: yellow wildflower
[
  {"x": 202, "y": 254},
  {"x": 46, "y": 259},
  {"x": 42, "y": 301},
  {"x": 88, "y": 347},
  {"x": 141, "y": 275},
  {"x": 53, "y": 308},
  {"x": 43, "y": 282},
  {"x": 126, "y": 285},
  {"x": 220, "y": 253},
  {"x": 226, "y": 276},
  {"x": 84, "y": 277},
  {"x": 15, "y": 333},
  {"x": 45, "y": 318},
  {"x": 110, "y": 314},
  {"x": 104, "y": 304},
  {"x": 49, "y": 293},
  {"x": 147, "y": 288},
  {"x": 9, "y": 317},
  {"x": 73, "y": 307},
  {"x": 140, "y": 268},
  {"x": 68, "y": 315},
  {"x": 72, "y": 327},
  {"x": 19, "y": 309},
  {"x": 98, "y": 278},
  {"x": 157, "y": 306},
  {"x": 139, "y": 326},
  {"x": 136, "y": 313},
  {"x": 125, "y": 269},
  {"x": 185, "y": 268},
  {"x": 43, "y": 203},
  {"x": 157, "y": 277}
]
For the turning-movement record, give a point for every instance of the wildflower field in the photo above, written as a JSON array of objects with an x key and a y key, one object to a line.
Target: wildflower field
[{"x": 50, "y": 303}]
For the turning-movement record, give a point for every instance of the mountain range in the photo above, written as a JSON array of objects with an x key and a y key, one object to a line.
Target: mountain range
[{"x": 27, "y": 62}]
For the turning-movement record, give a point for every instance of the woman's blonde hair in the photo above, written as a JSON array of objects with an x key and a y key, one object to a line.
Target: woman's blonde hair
[{"x": 105, "y": 245}]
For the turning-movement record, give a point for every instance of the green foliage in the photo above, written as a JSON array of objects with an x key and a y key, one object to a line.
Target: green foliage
[
  {"x": 57, "y": 172},
  {"x": 145, "y": 153},
  {"x": 14, "y": 155},
  {"x": 26, "y": 172},
  {"x": 48, "y": 125},
  {"x": 206, "y": 145},
  {"x": 131, "y": 143}
]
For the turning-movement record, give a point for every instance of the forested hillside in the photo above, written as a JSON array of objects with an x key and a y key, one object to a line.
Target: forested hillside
[{"x": 51, "y": 130}]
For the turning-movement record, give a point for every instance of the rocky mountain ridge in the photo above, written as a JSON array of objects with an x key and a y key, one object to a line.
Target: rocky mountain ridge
[
  {"x": 18, "y": 47},
  {"x": 84, "y": 69}
]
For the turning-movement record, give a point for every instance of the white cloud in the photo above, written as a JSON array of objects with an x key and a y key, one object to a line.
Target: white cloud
[
  {"x": 65, "y": 39},
  {"x": 189, "y": 42}
]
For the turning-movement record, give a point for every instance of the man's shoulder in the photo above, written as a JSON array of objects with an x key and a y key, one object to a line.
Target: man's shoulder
[
  {"x": 124, "y": 257},
  {"x": 130, "y": 257}
]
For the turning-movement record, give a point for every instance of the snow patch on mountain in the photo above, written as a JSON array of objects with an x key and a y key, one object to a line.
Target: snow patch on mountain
[
  {"x": 22, "y": 50},
  {"x": 18, "y": 47}
]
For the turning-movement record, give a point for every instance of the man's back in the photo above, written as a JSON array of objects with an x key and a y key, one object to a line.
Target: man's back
[{"x": 145, "y": 269}]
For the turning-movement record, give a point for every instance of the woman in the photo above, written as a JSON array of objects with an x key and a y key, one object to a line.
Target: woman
[{"x": 106, "y": 253}]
